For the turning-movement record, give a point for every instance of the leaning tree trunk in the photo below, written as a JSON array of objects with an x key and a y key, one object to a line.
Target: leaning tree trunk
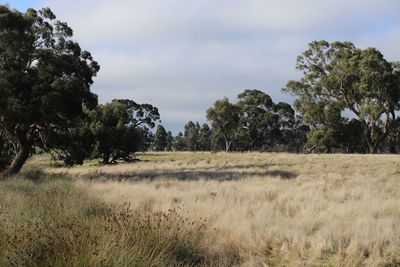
[{"x": 20, "y": 158}]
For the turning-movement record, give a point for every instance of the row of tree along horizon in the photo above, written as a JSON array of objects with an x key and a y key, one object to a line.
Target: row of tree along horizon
[
  {"x": 249, "y": 127},
  {"x": 337, "y": 77},
  {"x": 46, "y": 104}
]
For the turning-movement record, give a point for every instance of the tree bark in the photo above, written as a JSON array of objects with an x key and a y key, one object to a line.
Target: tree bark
[
  {"x": 106, "y": 158},
  {"x": 227, "y": 145},
  {"x": 228, "y": 141},
  {"x": 372, "y": 146},
  {"x": 19, "y": 159}
]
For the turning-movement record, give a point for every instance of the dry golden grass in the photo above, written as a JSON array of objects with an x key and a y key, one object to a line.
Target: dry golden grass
[
  {"x": 46, "y": 220},
  {"x": 268, "y": 209}
]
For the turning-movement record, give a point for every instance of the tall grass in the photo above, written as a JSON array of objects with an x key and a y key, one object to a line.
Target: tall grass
[
  {"x": 261, "y": 209},
  {"x": 47, "y": 220},
  {"x": 271, "y": 209}
]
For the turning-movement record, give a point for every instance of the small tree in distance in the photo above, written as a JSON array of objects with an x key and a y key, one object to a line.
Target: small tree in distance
[
  {"x": 170, "y": 141},
  {"x": 224, "y": 117},
  {"x": 179, "y": 143},
  {"x": 160, "y": 139}
]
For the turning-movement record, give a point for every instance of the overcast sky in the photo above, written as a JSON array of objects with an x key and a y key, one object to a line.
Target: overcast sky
[{"x": 182, "y": 55}]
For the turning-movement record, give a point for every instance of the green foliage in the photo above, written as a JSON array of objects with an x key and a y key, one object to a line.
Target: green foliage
[
  {"x": 255, "y": 122},
  {"x": 179, "y": 143},
  {"x": 394, "y": 136},
  {"x": 225, "y": 119},
  {"x": 73, "y": 144},
  {"x": 160, "y": 139},
  {"x": 170, "y": 141},
  {"x": 195, "y": 138},
  {"x": 339, "y": 77},
  {"x": 292, "y": 130},
  {"x": 120, "y": 128},
  {"x": 192, "y": 136},
  {"x": 6, "y": 152},
  {"x": 45, "y": 78},
  {"x": 205, "y": 137},
  {"x": 259, "y": 119}
]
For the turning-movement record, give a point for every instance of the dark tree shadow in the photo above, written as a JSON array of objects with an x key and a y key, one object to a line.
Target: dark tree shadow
[{"x": 190, "y": 175}]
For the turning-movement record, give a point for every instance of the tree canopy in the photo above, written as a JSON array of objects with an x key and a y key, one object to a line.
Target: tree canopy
[
  {"x": 224, "y": 117},
  {"x": 160, "y": 139},
  {"x": 120, "y": 127},
  {"x": 259, "y": 118},
  {"x": 45, "y": 78},
  {"x": 339, "y": 77}
]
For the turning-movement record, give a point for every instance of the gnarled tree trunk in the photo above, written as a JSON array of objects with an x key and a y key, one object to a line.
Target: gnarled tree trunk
[{"x": 20, "y": 158}]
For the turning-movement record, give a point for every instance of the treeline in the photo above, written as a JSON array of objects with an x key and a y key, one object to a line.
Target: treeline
[
  {"x": 348, "y": 101},
  {"x": 253, "y": 123}
]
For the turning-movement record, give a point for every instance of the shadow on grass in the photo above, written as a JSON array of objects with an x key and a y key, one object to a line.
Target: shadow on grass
[{"x": 189, "y": 175}]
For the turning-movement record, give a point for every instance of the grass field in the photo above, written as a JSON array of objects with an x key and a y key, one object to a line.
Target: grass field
[{"x": 205, "y": 209}]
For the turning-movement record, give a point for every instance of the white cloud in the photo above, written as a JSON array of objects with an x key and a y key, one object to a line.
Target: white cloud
[{"x": 182, "y": 55}]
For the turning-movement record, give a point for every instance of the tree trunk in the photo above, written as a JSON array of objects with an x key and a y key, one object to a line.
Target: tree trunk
[
  {"x": 106, "y": 158},
  {"x": 19, "y": 160},
  {"x": 227, "y": 145},
  {"x": 373, "y": 150},
  {"x": 392, "y": 147},
  {"x": 372, "y": 147}
]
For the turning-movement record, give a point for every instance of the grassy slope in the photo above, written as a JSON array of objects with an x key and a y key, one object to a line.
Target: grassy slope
[{"x": 272, "y": 209}]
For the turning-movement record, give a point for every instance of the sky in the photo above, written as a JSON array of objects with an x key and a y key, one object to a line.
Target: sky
[{"x": 182, "y": 55}]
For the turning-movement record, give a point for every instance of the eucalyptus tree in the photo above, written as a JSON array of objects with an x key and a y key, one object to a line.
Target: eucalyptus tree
[
  {"x": 160, "y": 139},
  {"x": 179, "y": 143},
  {"x": 225, "y": 120},
  {"x": 339, "y": 77},
  {"x": 259, "y": 117},
  {"x": 120, "y": 128},
  {"x": 205, "y": 137},
  {"x": 170, "y": 141},
  {"x": 192, "y": 136},
  {"x": 45, "y": 79}
]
